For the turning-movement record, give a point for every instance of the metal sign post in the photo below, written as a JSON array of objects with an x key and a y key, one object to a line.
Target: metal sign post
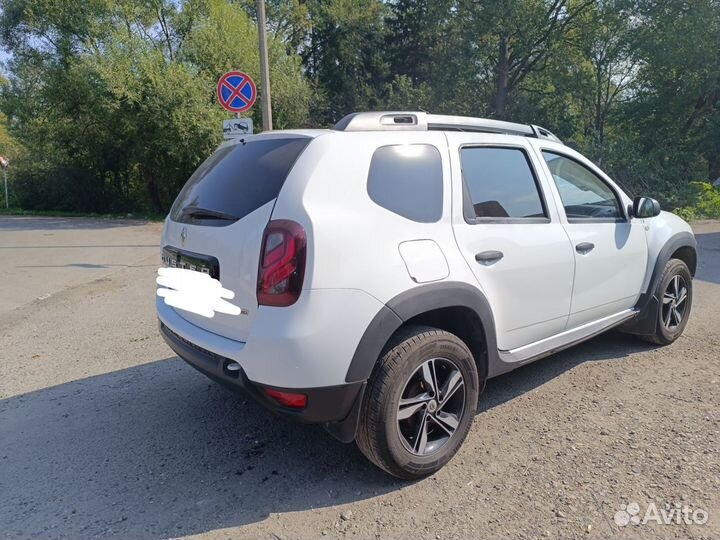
[
  {"x": 264, "y": 67},
  {"x": 5, "y": 163}
]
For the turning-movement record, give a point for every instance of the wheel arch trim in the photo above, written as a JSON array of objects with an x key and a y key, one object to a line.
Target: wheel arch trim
[
  {"x": 675, "y": 242},
  {"x": 645, "y": 323},
  {"x": 412, "y": 303}
]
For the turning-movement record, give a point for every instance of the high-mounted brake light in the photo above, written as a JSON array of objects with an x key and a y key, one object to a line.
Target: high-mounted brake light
[{"x": 282, "y": 263}]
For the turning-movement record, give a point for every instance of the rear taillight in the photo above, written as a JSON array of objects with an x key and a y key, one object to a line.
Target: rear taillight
[{"x": 282, "y": 264}]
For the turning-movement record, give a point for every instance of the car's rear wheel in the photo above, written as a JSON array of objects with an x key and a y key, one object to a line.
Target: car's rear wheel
[
  {"x": 419, "y": 404},
  {"x": 675, "y": 291}
]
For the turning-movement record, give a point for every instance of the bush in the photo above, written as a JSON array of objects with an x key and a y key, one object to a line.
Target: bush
[
  {"x": 688, "y": 213},
  {"x": 706, "y": 204}
]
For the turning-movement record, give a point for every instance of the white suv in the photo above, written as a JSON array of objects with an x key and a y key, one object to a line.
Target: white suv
[{"x": 385, "y": 269}]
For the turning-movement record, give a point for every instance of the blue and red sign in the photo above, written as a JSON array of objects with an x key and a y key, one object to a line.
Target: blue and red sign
[{"x": 236, "y": 91}]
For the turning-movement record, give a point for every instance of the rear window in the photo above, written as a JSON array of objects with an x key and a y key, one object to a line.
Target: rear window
[
  {"x": 237, "y": 180},
  {"x": 407, "y": 179}
]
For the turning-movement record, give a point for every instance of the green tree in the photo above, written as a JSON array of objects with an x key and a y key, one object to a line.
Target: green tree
[
  {"x": 416, "y": 30},
  {"x": 513, "y": 39},
  {"x": 112, "y": 102},
  {"x": 118, "y": 103},
  {"x": 676, "y": 113},
  {"x": 344, "y": 57},
  {"x": 605, "y": 40}
]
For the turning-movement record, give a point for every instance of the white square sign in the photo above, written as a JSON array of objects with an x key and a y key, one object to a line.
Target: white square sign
[{"x": 237, "y": 127}]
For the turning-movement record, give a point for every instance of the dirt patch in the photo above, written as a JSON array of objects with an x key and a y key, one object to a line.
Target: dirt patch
[{"x": 104, "y": 433}]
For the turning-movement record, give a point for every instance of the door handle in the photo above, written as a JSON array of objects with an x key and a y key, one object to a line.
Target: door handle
[
  {"x": 583, "y": 248},
  {"x": 489, "y": 257}
]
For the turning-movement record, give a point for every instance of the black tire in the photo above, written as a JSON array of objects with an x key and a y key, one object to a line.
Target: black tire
[
  {"x": 401, "y": 368},
  {"x": 664, "y": 333}
]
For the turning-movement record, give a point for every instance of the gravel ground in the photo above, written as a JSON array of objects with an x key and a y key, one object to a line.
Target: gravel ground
[{"x": 104, "y": 433}]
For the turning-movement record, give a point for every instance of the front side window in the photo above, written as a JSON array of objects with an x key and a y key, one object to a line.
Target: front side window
[
  {"x": 584, "y": 195},
  {"x": 407, "y": 179},
  {"x": 499, "y": 183}
]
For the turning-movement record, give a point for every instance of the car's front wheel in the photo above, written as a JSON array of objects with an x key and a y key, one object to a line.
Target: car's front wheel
[
  {"x": 419, "y": 404},
  {"x": 675, "y": 291}
]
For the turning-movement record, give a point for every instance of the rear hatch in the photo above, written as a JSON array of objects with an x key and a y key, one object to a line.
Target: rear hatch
[{"x": 217, "y": 221}]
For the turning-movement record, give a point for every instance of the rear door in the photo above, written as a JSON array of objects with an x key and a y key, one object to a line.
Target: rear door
[
  {"x": 217, "y": 221},
  {"x": 511, "y": 237},
  {"x": 610, "y": 249}
]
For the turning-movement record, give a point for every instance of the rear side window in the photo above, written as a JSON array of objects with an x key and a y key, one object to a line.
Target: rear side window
[
  {"x": 237, "y": 180},
  {"x": 499, "y": 183},
  {"x": 407, "y": 179}
]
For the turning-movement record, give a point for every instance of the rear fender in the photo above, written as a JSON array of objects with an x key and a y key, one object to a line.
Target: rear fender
[{"x": 412, "y": 303}]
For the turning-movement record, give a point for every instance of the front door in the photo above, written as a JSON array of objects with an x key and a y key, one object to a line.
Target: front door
[
  {"x": 610, "y": 249},
  {"x": 511, "y": 237}
]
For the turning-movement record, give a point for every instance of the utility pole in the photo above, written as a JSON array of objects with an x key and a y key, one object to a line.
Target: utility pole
[
  {"x": 264, "y": 68},
  {"x": 5, "y": 163}
]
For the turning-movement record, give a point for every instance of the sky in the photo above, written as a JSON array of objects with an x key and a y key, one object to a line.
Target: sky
[{"x": 4, "y": 57}]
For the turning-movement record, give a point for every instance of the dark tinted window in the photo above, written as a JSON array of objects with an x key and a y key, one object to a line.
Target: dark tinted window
[
  {"x": 238, "y": 179},
  {"x": 499, "y": 184},
  {"x": 583, "y": 193},
  {"x": 407, "y": 180}
]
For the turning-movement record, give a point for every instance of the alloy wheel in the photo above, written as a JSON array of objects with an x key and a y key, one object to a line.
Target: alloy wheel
[
  {"x": 431, "y": 406},
  {"x": 674, "y": 303}
]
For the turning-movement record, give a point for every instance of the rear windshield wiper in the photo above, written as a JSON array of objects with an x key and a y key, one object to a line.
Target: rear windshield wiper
[{"x": 197, "y": 212}]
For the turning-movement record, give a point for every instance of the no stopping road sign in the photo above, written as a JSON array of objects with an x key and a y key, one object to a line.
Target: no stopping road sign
[{"x": 236, "y": 91}]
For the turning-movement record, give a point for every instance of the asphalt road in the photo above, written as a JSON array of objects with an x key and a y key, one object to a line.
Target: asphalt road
[{"x": 104, "y": 433}]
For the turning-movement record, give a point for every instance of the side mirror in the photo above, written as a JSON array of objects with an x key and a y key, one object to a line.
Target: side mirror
[{"x": 645, "y": 207}]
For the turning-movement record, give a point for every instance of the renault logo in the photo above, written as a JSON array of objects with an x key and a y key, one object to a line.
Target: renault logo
[{"x": 183, "y": 235}]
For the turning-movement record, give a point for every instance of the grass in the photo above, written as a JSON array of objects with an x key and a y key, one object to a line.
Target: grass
[{"x": 59, "y": 213}]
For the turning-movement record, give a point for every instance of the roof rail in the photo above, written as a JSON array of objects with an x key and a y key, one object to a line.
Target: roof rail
[{"x": 422, "y": 121}]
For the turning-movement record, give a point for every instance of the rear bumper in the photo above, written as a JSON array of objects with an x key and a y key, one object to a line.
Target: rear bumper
[
  {"x": 328, "y": 404},
  {"x": 307, "y": 345}
]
